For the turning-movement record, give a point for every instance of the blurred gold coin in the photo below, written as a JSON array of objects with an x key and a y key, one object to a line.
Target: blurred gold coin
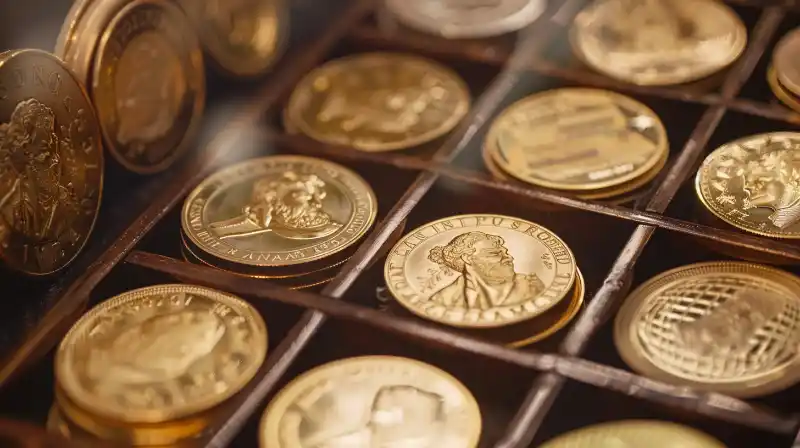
[
  {"x": 658, "y": 42},
  {"x": 784, "y": 61},
  {"x": 728, "y": 327},
  {"x": 783, "y": 94},
  {"x": 378, "y": 102},
  {"x": 160, "y": 353},
  {"x": 372, "y": 401},
  {"x": 634, "y": 433},
  {"x": 480, "y": 271}
]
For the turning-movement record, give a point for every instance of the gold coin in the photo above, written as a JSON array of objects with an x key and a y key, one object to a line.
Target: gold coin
[
  {"x": 242, "y": 37},
  {"x": 781, "y": 92},
  {"x": 658, "y": 42},
  {"x": 51, "y": 163},
  {"x": 751, "y": 183},
  {"x": 67, "y": 36},
  {"x": 577, "y": 139},
  {"x": 160, "y": 353},
  {"x": 480, "y": 271},
  {"x": 728, "y": 327},
  {"x": 378, "y": 102},
  {"x": 372, "y": 401},
  {"x": 784, "y": 60},
  {"x": 634, "y": 433},
  {"x": 279, "y": 211},
  {"x": 148, "y": 84}
]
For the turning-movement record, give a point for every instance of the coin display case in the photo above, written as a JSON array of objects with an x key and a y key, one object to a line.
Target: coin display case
[{"x": 572, "y": 379}]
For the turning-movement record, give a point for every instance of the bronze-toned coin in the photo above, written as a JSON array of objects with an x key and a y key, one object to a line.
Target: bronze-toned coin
[
  {"x": 577, "y": 139},
  {"x": 480, "y": 271},
  {"x": 148, "y": 84},
  {"x": 279, "y": 211},
  {"x": 728, "y": 327},
  {"x": 241, "y": 37},
  {"x": 658, "y": 42},
  {"x": 51, "y": 163},
  {"x": 635, "y": 433},
  {"x": 372, "y": 401},
  {"x": 784, "y": 61},
  {"x": 751, "y": 183},
  {"x": 378, "y": 102},
  {"x": 160, "y": 353},
  {"x": 67, "y": 36}
]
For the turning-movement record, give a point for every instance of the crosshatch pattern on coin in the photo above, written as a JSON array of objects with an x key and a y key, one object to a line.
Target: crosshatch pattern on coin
[{"x": 740, "y": 106}]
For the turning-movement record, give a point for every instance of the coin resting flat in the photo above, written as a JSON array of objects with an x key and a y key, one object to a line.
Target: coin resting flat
[
  {"x": 728, "y": 327},
  {"x": 634, "y": 434},
  {"x": 480, "y": 270},
  {"x": 51, "y": 163},
  {"x": 160, "y": 353},
  {"x": 372, "y": 401}
]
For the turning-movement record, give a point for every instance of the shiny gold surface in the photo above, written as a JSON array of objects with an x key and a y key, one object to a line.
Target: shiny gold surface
[
  {"x": 242, "y": 37},
  {"x": 785, "y": 63},
  {"x": 160, "y": 353},
  {"x": 51, "y": 163},
  {"x": 279, "y": 211},
  {"x": 148, "y": 84},
  {"x": 634, "y": 434},
  {"x": 378, "y": 102},
  {"x": 728, "y": 327},
  {"x": 577, "y": 139},
  {"x": 658, "y": 42},
  {"x": 480, "y": 271},
  {"x": 67, "y": 37},
  {"x": 753, "y": 183},
  {"x": 372, "y": 401}
]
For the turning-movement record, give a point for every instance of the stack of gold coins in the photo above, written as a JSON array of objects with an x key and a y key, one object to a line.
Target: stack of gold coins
[
  {"x": 154, "y": 365},
  {"x": 377, "y": 102},
  {"x": 592, "y": 143},
  {"x": 658, "y": 42},
  {"x": 635, "y": 433},
  {"x": 497, "y": 277},
  {"x": 727, "y": 327},
  {"x": 372, "y": 401},
  {"x": 291, "y": 219},
  {"x": 783, "y": 74}
]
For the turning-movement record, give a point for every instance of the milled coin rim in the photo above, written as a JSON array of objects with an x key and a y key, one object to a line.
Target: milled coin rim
[
  {"x": 490, "y": 141},
  {"x": 565, "y": 440},
  {"x": 7, "y": 56},
  {"x": 269, "y": 425},
  {"x": 737, "y": 50},
  {"x": 473, "y": 325},
  {"x": 630, "y": 351},
  {"x": 69, "y": 385},
  {"x": 292, "y": 113}
]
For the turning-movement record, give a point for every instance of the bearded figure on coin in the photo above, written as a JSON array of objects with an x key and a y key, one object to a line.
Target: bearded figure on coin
[{"x": 487, "y": 278}]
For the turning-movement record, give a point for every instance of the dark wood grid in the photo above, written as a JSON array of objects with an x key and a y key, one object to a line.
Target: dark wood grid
[{"x": 513, "y": 64}]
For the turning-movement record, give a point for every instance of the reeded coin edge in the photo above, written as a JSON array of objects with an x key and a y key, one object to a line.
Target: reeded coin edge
[{"x": 621, "y": 426}]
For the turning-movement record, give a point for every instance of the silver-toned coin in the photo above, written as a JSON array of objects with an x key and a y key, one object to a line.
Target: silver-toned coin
[{"x": 464, "y": 19}]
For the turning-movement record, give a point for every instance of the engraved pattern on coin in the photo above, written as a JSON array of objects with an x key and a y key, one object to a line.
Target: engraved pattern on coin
[
  {"x": 634, "y": 434},
  {"x": 370, "y": 402},
  {"x": 754, "y": 184},
  {"x": 658, "y": 41},
  {"x": 161, "y": 352},
  {"x": 378, "y": 102},
  {"x": 50, "y": 164},
  {"x": 461, "y": 271}
]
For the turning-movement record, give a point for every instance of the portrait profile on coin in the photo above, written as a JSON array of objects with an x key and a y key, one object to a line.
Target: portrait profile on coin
[
  {"x": 290, "y": 205},
  {"x": 486, "y": 277},
  {"x": 773, "y": 181}
]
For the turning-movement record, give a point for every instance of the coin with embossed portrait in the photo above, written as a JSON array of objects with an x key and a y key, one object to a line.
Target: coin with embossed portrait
[
  {"x": 372, "y": 401},
  {"x": 51, "y": 163},
  {"x": 278, "y": 211},
  {"x": 753, "y": 183},
  {"x": 658, "y": 42},
  {"x": 480, "y": 271},
  {"x": 728, "y": 327},
  {"x": 378, "y": 102},
  {"x": 160, "y": 353},
  {"x": 458, "y": 19},
  {"x": 634, "y": 433}
]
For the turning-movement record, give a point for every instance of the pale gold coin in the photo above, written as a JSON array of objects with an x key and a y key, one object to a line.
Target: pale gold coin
[
  {"x": 577, "y": 139},
  {"x": 658, "y": 42},
  {"x": 372, "y": 401},
  {"x": 480, "y": 271},
  {"x": 784, "y": 61},
  {"x": 752, "y": 184},
  {"x": 279, "y": 211},
  {"x": 788, "y": 98},
  {"x": 634, "y": 434},
  {"x": 728, "y": 327},
  {"x": 160, "y": 353},
  {"x": 378, "y": 102}
]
